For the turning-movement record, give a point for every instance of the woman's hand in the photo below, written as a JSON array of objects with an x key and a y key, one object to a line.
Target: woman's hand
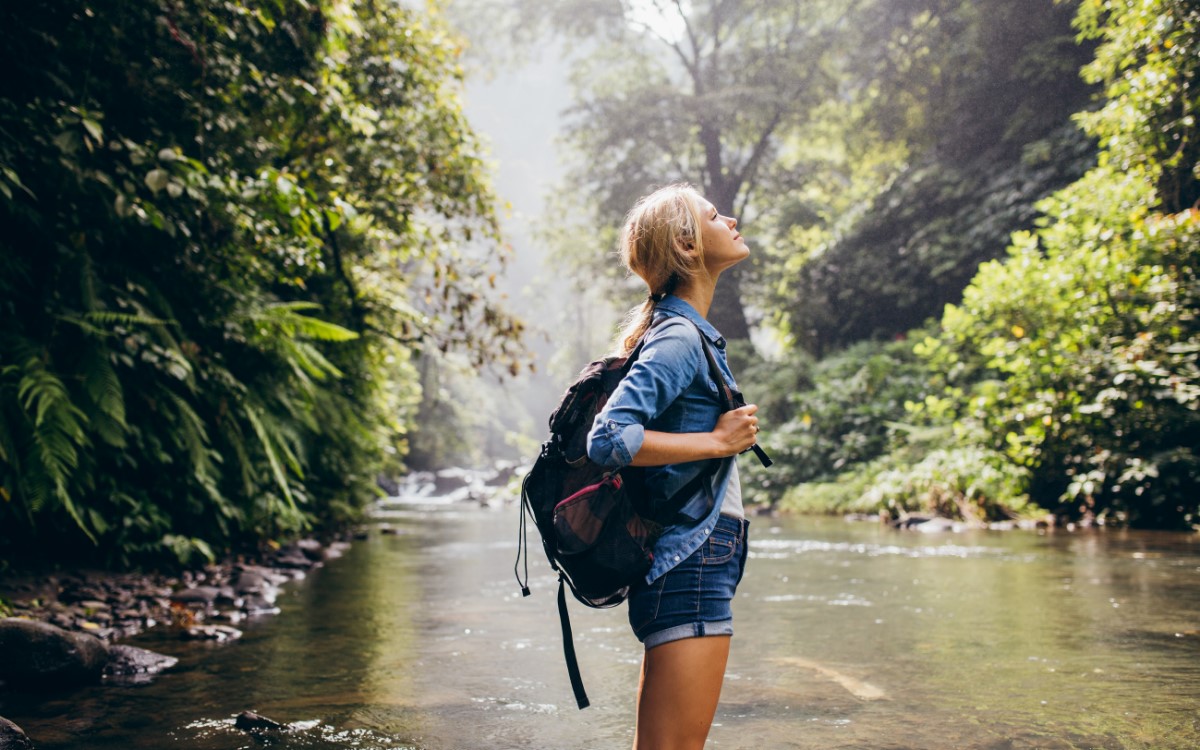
[{"x": 736, "y": 430}]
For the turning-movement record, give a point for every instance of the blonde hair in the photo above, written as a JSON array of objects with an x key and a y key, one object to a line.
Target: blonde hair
[{"x": 655, "y": 239}]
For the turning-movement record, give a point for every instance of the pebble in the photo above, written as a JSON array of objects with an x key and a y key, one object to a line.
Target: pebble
[{"x": 218, "y": 633}]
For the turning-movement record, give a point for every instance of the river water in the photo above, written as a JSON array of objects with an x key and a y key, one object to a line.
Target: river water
[{"x": 848, "y": 636}]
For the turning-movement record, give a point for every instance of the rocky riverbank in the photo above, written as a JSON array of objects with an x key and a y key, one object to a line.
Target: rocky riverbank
[
  {"x": 60, "y": 629},
  {"x": 202, "y": 604}
]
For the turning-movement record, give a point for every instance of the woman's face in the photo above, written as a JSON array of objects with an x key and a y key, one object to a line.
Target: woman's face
[{"x": 723, "y": 244}]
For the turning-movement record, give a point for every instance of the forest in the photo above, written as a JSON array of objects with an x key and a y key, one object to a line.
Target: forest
[{"x": 242, "y": 238}]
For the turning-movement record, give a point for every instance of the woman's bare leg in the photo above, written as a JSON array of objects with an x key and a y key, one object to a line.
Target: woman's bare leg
[{"x": 678, "y": 694}]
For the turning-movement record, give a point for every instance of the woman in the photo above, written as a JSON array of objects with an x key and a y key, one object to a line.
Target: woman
[{"x": 666, "y": 416}]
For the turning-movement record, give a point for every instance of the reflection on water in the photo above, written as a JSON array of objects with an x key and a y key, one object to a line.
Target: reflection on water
[{"x": 848, "y": 636}]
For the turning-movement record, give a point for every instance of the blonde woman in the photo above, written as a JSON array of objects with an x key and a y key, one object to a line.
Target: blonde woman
[{"x": 666, "y": 416}]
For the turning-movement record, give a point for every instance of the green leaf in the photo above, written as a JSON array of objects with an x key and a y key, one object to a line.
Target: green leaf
[
  {"x": 157, "y": 179},
  {"x": 94, "y": 129}
]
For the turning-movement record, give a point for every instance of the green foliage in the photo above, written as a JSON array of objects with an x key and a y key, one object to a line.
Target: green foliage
[
  {"x": 973, "y": 103},
  {"x": 1068, "y": 375},
  {"x": 1078, "y": 354},
  {"x": 966, "y": 482},
  {"x": 228, "y": 227},
  {"x": 835, "y": 414},
  {"x": 1149, "y": 63}
]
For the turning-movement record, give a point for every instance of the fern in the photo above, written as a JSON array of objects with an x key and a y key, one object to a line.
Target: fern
[
  {"x": 264, "y": 439},
  {"x": 91, "y": 322},
  {"x": 285, "y": 316},
  {"x": 103, "y": 388}
]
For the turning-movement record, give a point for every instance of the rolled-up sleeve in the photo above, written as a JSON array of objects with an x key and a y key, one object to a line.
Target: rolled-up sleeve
[{"x": 669, "y": 361}]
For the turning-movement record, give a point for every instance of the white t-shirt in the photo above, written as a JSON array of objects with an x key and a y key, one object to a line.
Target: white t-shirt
[{"x": 732, "y": 505}]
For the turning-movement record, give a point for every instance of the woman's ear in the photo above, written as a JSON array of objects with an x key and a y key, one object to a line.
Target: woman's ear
[{"x": 686, "y": 247}]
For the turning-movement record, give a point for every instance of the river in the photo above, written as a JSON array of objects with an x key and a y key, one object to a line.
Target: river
[{"x": 848, "y": 636}]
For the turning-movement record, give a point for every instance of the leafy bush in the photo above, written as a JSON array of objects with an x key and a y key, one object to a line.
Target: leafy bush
[
  {"x": 840, "y": 412},
  {"x": 227, "y": 228},
  {"x": 969, "y": 483}
]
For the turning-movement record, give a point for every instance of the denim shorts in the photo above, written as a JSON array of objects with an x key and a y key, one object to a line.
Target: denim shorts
[{"x": 692, "y": 599}]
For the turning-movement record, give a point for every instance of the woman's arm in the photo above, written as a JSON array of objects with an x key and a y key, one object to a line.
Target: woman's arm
[{"x": 735, "y": 432}]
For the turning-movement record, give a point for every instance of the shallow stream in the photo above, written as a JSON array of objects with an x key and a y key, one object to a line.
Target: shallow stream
[{"x": 848, "y": 636}]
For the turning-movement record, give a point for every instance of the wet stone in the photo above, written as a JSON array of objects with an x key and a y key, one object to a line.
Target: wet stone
[
  {"x": 293, "y": 559},
  {"x": 128, "y": 661},
  {"x": 249, "y": 581},
  {"x": 226, "y": 595},
  {"x": 198, "y": 595},
  {"x": 311, "y": 548},
  {"x": 34, "y": 653},
  {"x": 250, "y": 721},
  {"x": 257, "y": 604},
  {"x": 218, "y": 633},
  {"x": 12, "y": 737}
]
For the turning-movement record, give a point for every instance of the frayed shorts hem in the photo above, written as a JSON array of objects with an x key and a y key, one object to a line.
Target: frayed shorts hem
[{"x": 688, "y": 630}]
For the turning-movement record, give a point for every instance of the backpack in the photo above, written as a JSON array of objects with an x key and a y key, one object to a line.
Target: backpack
[{"x": 596, "y": 527}]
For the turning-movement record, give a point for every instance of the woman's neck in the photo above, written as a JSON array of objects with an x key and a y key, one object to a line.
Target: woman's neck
[{"x": 699, "y": 294}]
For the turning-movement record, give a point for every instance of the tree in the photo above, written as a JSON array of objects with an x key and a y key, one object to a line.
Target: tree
[{"x": 698, "y": 92}]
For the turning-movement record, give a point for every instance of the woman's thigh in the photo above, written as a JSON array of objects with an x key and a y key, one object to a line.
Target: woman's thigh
[{"x": 680, "y": 687}]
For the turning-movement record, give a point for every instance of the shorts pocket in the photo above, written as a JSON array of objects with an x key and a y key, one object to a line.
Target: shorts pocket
[
  {"x": 720, "y": 546},
  {"x": 644, "y": 603}
]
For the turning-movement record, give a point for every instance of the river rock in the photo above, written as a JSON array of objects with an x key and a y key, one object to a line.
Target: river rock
[
  {"x": 335, "y": 550},
  {"x": 258, "y": 604},
  {"x": 218, "y": 633},
  {"x": 34, "y": 652},
  {"x": 203, "y": 595},
  {"x": 129, "y": 661},
  {"x": 311, "y": 548},
  {"x": 250, "y": 721},
  {"x": 292, "y": 558},
  {"x": 936, "y": 525},
  {"x": 448, "y": 480},
  {"x": 249, "y": 581},
  {"x": 12, "y": 737}
]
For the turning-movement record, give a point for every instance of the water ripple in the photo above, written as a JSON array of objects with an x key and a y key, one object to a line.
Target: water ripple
[{"x": 782, "y": 548}]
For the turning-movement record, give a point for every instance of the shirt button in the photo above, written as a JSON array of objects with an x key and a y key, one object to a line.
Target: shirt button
[
  {"x": 676, "y": 558},
  {"x": 706, "y": 532}
]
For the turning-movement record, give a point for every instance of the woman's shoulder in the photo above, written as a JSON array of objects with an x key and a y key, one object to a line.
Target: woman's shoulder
[
  {"x": 673, "y": 336},
  {"x": 676, "y": 327}
]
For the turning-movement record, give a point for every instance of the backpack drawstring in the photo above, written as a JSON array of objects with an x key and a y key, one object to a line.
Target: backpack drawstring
[{"x": 522, "y": 545}]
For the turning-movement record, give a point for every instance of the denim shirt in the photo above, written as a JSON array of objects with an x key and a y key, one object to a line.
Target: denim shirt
[{"x": 669, "y": 389}]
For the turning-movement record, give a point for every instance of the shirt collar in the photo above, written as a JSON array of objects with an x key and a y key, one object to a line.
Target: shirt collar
[{"x": 676, "y": 306}]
